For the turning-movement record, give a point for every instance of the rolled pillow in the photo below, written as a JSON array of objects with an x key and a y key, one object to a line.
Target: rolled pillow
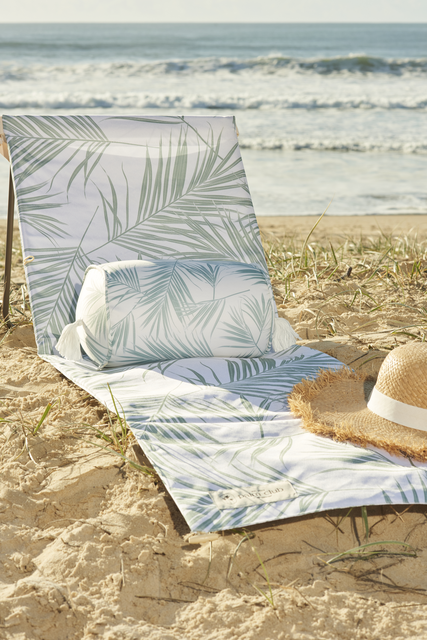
[{"x": 141, "y": 311}]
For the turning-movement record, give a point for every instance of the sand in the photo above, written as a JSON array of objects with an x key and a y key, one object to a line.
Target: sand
[
  {"x": 91, "y": 548},
  {"x": 339, "y": 227}
]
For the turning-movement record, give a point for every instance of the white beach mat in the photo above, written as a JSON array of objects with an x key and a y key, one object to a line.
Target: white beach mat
[{"x": 98, "y": 189}]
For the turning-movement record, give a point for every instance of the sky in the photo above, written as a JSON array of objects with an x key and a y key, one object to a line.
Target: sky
[{"x": 214, "y": 11}]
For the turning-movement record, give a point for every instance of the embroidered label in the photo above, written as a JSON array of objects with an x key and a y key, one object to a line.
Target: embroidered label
[{"x": 253, "y": 494}]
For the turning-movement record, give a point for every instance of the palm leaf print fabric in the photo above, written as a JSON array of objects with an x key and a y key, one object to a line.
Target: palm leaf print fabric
[
  {"x": 92, "y": 190},
  {"x": 140, "y": 311}
]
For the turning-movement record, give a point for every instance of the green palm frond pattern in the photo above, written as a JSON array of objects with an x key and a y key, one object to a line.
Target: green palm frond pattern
[
  {"x": 124, "y": 189},
  {"x": 140, "y": 311},
  {"x": 209, "y": 424},
  {"x": 92, "y": 190}
]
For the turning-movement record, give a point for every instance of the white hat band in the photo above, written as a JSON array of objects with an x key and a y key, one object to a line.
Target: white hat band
[{"x": 404, "y": 414}]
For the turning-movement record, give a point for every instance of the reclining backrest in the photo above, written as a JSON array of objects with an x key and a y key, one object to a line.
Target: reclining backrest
[{"x": 95, "y": 189}]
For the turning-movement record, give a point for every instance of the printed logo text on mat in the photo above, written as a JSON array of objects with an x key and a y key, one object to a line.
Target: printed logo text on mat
[{"x": 253, "y": 494}]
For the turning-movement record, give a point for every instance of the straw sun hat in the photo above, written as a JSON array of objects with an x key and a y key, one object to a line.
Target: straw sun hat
[{"x": 390, "y": 413}]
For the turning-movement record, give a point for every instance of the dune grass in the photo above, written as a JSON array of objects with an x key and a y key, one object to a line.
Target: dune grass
[
  {"x": 366, "y": 274},
  {"x": 114, "y": 437},
  {"x": 383, "y": 260},
  {"x": 377, "y": 278}
]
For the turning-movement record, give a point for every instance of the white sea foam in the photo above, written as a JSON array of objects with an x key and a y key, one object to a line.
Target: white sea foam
[
  {"x": 312, "y": 125},
  {"x": 136, "y": 100},
  {"x": 273, "y": 64},
  {"x": 328, "y": 144}
]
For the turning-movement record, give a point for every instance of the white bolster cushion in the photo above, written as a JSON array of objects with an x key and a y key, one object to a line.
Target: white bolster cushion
[{"x": 141, "y": 311}]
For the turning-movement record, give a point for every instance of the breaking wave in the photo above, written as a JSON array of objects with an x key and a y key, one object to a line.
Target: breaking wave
[
  {"x": 135, "y": 100},
  {"x": 406, "y": 147},
  {"x": 351, "y": 64}
]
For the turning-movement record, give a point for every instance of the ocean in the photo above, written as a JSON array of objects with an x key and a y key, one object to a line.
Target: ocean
[{"x": 326, "y": 112}]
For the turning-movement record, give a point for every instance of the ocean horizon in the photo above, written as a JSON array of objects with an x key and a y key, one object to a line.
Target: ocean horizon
[{"x": 325, "y": 111}]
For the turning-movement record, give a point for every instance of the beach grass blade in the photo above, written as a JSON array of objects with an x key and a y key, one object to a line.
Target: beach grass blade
[
  {"x": 139, "y": 467},
  {"x": 247, "y": 536},
  {"x": 269, "y": 597},
  {"x": 360, "y": 554},
  {"x": 365, "y": 522},
  {"x": 45, "y": 414},
  {"x": 304, "y": 246}
]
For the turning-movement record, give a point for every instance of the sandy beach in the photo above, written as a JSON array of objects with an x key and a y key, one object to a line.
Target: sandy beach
[
  {"x": 339, "y": 228},
  {"x": 93, "y": 548}
]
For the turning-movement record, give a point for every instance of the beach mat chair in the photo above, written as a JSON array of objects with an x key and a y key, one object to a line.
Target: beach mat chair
[{"x": 218, "y": 431}]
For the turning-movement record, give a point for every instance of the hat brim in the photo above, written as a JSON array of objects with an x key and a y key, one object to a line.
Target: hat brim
[{"x": 335, "y": 405}]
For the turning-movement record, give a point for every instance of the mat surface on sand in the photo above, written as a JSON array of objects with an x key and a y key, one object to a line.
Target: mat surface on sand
[
  {"x": 92, "y": 548},
  {"x": 98, "y": 189}
]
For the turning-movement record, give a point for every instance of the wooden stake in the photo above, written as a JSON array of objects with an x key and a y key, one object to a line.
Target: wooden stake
[{"x": 8, "y": 256}]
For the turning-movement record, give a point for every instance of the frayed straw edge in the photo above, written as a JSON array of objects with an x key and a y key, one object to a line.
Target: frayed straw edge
[{"x": 306, "y": 390}]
